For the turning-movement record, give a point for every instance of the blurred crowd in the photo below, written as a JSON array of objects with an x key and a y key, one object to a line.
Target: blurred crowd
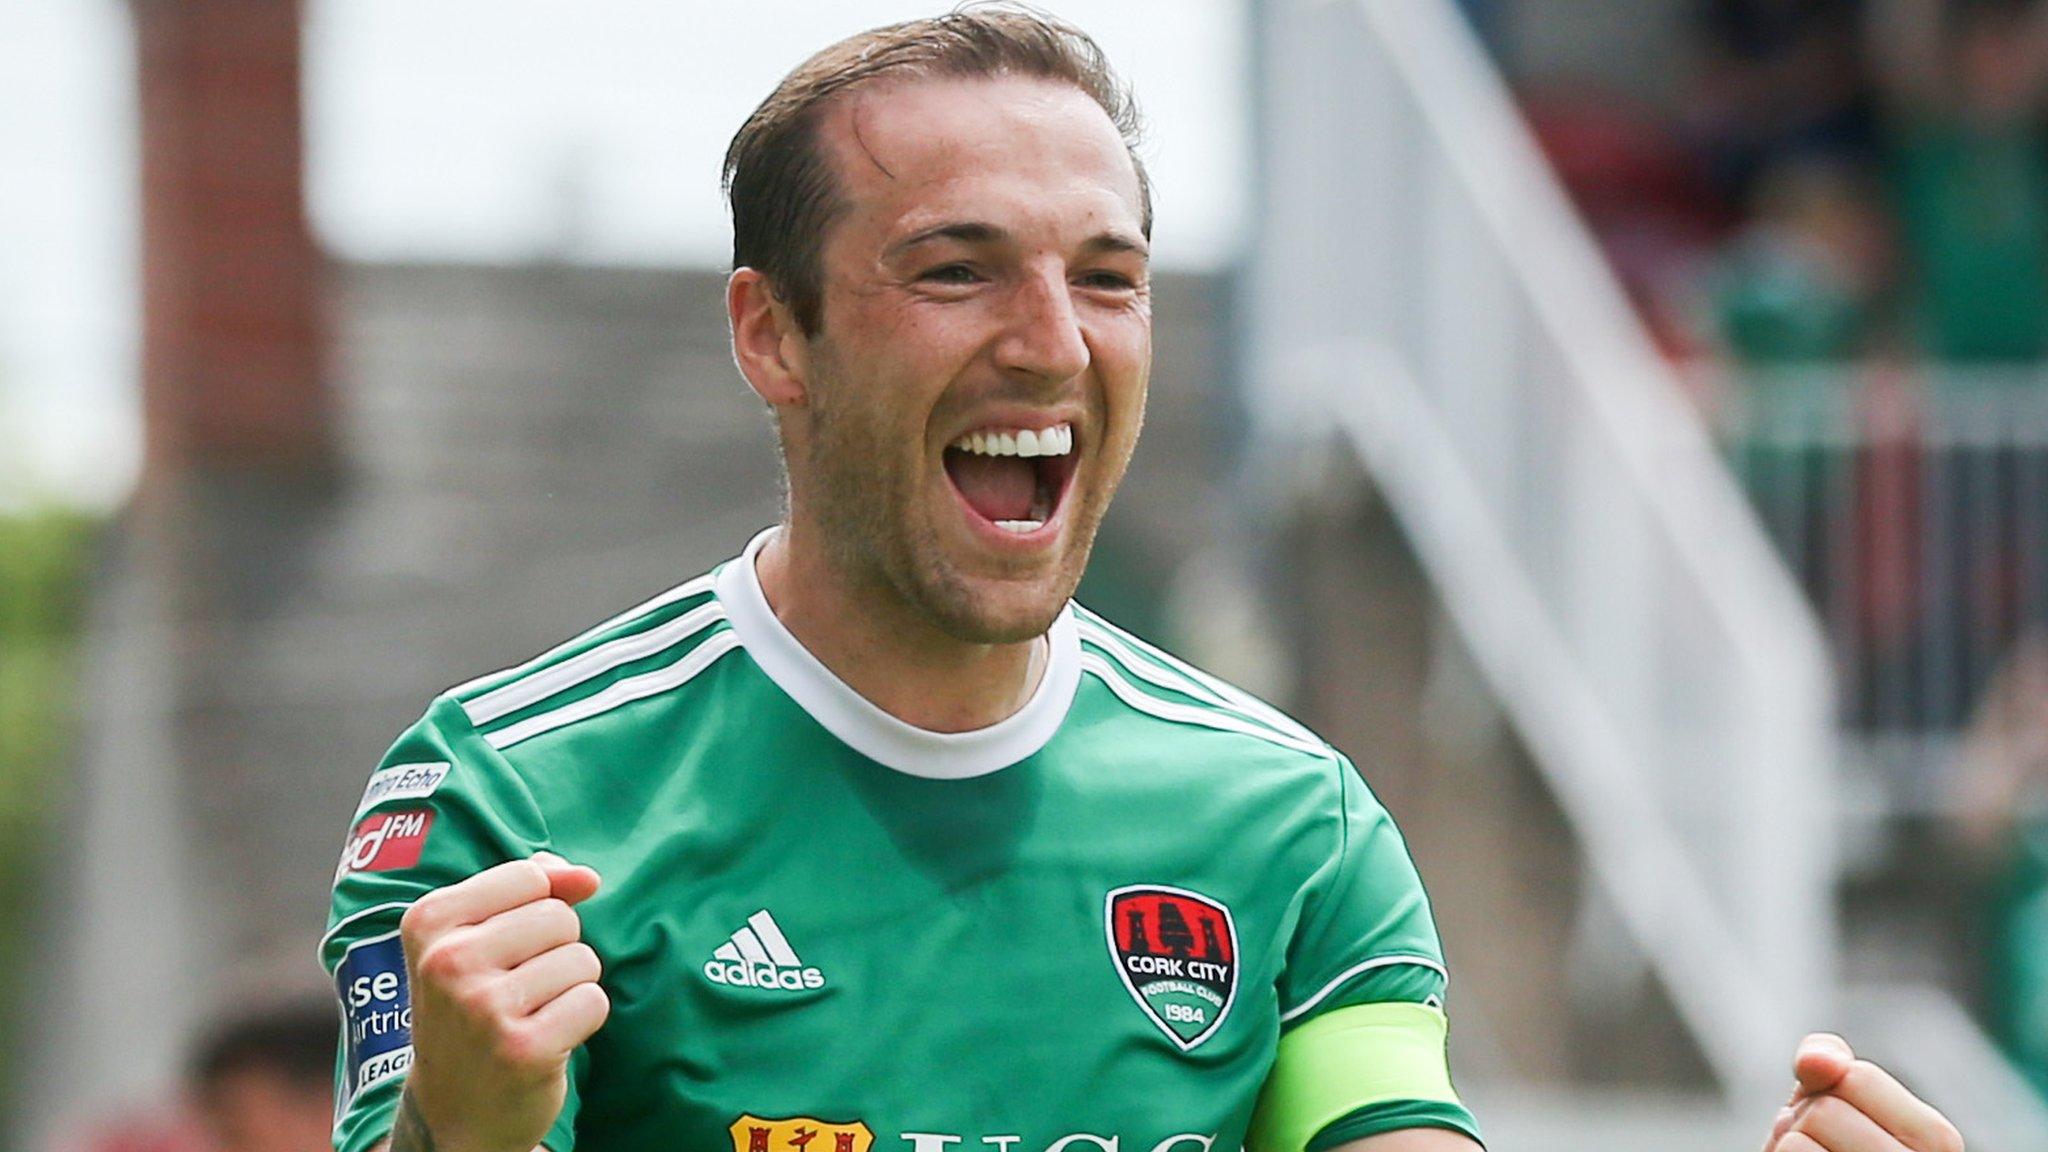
[
  {"x": 1833, "y": 180},
  {"x": 1836, "y": 224}
]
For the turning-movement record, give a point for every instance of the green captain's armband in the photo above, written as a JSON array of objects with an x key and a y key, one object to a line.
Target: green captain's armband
[{"x": 1356, "y": 1072}]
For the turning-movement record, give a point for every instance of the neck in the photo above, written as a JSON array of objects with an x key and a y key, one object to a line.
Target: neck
[{"x": 885, "y": 651}]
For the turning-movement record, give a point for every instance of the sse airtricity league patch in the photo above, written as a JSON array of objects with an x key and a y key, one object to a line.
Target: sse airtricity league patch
[{"x": 376, "y": 1016}]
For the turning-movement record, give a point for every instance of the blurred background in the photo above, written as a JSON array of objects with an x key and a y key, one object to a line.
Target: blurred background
[{"x": 1622, "y": 425}]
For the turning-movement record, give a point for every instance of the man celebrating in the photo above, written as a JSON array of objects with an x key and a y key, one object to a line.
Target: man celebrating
[{"x": 900, "y": 849}]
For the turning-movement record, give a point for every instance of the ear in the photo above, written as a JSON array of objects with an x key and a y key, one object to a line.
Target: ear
[{"x": 770, "y": 348}]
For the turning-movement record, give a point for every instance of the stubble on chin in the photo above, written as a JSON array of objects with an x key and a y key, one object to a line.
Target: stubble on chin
[
  {"x": 958, "y": 609},
  {"x": 963, "y": 608},
  {"x": 904, "y": 560}
]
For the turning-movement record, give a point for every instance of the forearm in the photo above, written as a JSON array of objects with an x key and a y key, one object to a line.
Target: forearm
[
  {"x": 389, "y": 1146},
  {"x": 409, "y": 1133}
]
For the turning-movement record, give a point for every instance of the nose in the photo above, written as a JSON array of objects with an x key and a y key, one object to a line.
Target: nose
[{"x": 1043, "y": 338}]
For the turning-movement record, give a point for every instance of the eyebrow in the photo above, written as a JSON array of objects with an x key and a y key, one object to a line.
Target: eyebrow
[{"x": 981, "y": 232}]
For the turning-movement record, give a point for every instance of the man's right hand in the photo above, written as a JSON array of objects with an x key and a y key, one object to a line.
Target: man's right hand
[{"x": 503, "y": 990}]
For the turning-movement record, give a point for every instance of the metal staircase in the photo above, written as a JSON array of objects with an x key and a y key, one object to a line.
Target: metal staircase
[{"x": 1419, "y": 281}]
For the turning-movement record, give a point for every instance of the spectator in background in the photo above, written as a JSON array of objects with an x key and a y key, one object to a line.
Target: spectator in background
[
  {"x": 264, "y": 1082},
  {"x": 1970, "y": 167},
  {"x": 1806, "y": 280},
  {"x": 261, "y": 1080},
  {"x": 1779, "y": 80},
  {"x": 1803, "y": 292},
  {"x": 139, "y": 1131},
  {"x": 1642, "y": 193}
]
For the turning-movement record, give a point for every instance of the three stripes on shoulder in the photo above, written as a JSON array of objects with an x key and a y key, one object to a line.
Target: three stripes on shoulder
[
  {"x": 1116, "y": 658},
  {"x": 569, "y": 666}
]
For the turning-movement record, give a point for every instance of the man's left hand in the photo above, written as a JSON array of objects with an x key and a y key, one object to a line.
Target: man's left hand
[{"x": 1843, "y": 1104}]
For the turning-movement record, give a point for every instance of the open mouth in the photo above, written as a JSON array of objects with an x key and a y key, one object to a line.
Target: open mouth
[{"x": 1014, "y": 478}]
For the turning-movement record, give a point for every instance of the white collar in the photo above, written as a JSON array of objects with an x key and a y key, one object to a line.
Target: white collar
[{"x": 874, "y": 733}]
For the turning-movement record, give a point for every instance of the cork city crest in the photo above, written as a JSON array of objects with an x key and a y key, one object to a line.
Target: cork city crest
[
  {"x": 1177, "y": 954},
  {"x": 799, "y": 1134}
]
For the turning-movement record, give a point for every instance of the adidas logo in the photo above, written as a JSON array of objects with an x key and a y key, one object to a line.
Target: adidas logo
[{"x": 759, "y": 956}]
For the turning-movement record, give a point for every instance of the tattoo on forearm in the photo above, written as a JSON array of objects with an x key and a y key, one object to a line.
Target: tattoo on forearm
[{"x": 410, "y": 1133}]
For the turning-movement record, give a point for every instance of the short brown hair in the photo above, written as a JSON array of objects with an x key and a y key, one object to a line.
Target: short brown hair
[
  {"x": 294, "y": 1039},
  {"x": 780, "y": 183}
]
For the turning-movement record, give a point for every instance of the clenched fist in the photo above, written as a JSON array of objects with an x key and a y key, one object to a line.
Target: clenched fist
[{"x": 503, "y": 990}]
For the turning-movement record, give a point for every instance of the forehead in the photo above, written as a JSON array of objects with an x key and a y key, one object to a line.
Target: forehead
[{"x": 908, "y": 153}]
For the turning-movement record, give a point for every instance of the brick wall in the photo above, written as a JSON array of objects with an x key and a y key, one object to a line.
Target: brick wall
[{"x": 232, "y": 336}]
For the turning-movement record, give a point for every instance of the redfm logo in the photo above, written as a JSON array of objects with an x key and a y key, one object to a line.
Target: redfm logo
[{"x": 385, "y": 841}]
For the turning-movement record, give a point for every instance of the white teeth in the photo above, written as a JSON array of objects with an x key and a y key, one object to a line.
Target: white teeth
[
  {"x": 1055, "y": 441},
  {"x": 1020, "y": 527}
]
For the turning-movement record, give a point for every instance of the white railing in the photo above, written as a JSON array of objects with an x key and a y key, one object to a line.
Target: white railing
[
  {"x": 1912, "y": 505},
  {"x": 1419, "y": 281}
]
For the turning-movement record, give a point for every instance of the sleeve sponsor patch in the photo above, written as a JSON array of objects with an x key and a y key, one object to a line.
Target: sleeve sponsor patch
[
  {"x": 376, "y": 1016},
  {"x": 386, "y": 841},
  {"x": 402, "y": 782}
]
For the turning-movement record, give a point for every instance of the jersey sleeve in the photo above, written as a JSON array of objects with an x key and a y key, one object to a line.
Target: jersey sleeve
[
  {"x": 1363, "y": 1028},
  {"x": 442, "y": 806}
]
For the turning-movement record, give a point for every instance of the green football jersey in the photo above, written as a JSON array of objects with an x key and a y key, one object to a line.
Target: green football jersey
[{"x": 1146, "y": 913}]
